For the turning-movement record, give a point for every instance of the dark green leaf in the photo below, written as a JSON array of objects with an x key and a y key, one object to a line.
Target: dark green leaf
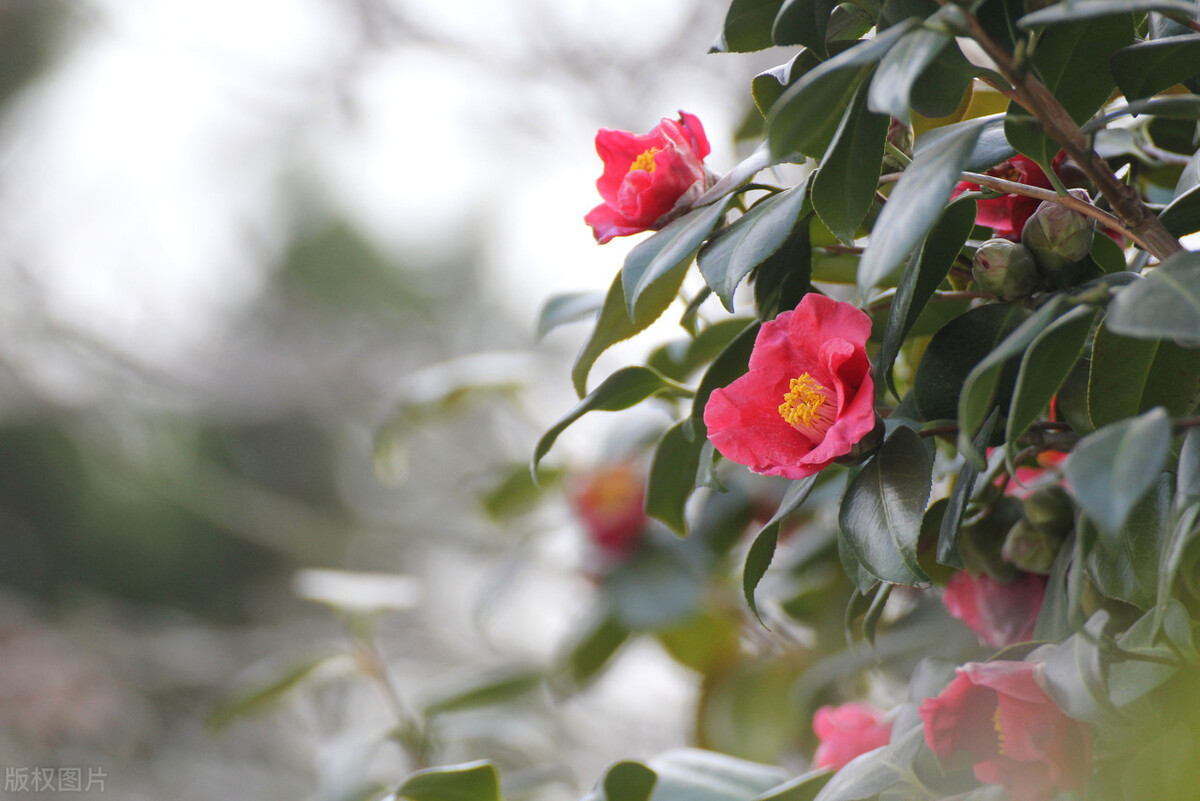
[
  {"x": 673, "y": 476},
  {"x": 956, "y": 507},
  {"x": 597, "y": 643},
  {"x": 725, "y": 368},
  {"x": 762, "y": 549},
  {"x": 806, "y": 116},
  {"x": 940, "y": 89},
  {"x": 679, "y": 359},
  {"x": 955, "y": 351},
  {"x": 1129, "y": 376},
  {"x": 1090, "y": 9},
  {"x": 1183, "y": 534},
  {"x": 1111, "y": 469},
  {"x": 563, "y": 309},
  {"x": 804, "y": 22},
  {"x": 1124, "y": 565},
  {"x": 786, "y": 277},
  {"x": 1166, "y": 305},
  {"x": 881, "y": 511},
  {"x": 801, "y": 788},
  {"x": 757, "y": 161},
  {"x": 980, "y": 389},
  {"x": 892, "y": 84},
  {"x": 470, "y": 781},
  {"x": 875, "y": 612},
  {"x": 690, "y": 774},
  {"x": 990, "y": 147},
  {"x": 654, "y": 269},
  {"x": 915, "y": 205},
  {"x": 1173, "y": 106},
  {"x": 1147, "y": 68},
  {"x": 1187, "y": 482},
  {"x": 921, "y": 277},
  {"x": 1047, "y": 361},
  {"x": 626, "y": 387},
  {"x": 844, "y": 187},
  {"x": 624, "y": 781},
  {"x": 612, "y": 326},
  {"x": 1075, "y": 677},
  {"x": 1182, "y": 215},
  {"x": 729, "y": 256},
  {"x": 747, "y": 26}
]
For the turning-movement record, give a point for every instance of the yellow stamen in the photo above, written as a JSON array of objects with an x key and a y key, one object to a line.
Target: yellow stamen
[
  {"x": 645, "y": 161},
  {"x": 806, "y": 406},
  {"x": 999, "y": 730}
]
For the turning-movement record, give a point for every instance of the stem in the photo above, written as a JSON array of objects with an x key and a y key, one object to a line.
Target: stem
[{"x": 1033, "y": 95}]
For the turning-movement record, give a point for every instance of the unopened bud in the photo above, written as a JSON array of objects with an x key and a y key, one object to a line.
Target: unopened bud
[
  {"x": 1029, "y": 548},
  {"x": 1050, "y": 508},
  {"x": 899, "y": 136},
  {"x": 1004, "y": 269},
  {"x": 1060, "y": 238},
  {"x": 980, "y": 542}
]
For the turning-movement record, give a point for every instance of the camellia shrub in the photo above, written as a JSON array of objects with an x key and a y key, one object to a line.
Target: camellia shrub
[{"x": 934, "y": 411}]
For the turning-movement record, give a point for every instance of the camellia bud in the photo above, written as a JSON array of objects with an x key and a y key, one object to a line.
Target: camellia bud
[
  {"x": 1033, "y": 542},
  {"x": 900, "y": 136},
  {"x": 1004, "y": 269},
  {"x": 981, "y": 541},
  {"x": 1060, "y": 238}
]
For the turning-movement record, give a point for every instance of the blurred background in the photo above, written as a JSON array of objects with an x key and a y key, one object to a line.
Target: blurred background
[{"x": 269, "y": 278}]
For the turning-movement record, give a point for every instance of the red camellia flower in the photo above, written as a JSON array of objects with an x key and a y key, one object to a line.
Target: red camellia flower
[
  {"x": 649, "y": 179},
  {"x": 1001, "y": 614},
  {"x": 1006, "y": 215},
  {"x": 998, "y": 716},
  {"x": 611, "y": 503},
  {"x": 848, "y": 731},
  {"x": 808, "y": 396}
]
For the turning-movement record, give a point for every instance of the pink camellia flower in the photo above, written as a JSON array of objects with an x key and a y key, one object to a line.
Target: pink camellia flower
[
  {"x": 808, "y": 397},
  {"x": 1001, "y": 614},
  {"x": 998, "y": 716},
  {"x": 611, "y": 504},
  {"x": 1006, "y": 215},
  {"x": 848, "y": 731},
  {"x": 649, "y": 179}
]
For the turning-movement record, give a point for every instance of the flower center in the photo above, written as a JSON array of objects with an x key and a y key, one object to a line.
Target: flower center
[
  {"x": 806, "y": 407},
  {"x": 645, "y": 161},
  {"x": 999, "y": 730}
]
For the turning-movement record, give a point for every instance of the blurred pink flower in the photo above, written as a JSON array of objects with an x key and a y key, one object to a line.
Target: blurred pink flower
[
  {"x": 649, "y": 179},
  {"x": 847, "y": 731},
  {"x": 1001, "y": 614},
  {"x": 808, "y": 397},
  {"x": 610, "y": 502}
]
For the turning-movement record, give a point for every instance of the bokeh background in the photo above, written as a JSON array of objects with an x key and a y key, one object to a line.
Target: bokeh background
[{"x": 269, "y": 280}]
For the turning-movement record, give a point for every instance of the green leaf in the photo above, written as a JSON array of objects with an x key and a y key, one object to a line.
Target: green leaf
[
  {"x": 1090, "y": 9},
  {"x": 845, "y": 185},
  {"x": 955, "y": 350},
  {"x": 801, "y": 788},
  {"x": 495, "y": 688},
  {"x": 568, "y": 308},
  {"x": 1147, "y": 68},
  {"x": 597, "y": 643},
  {"x": 624, "y": 781},
  {"x": 654, "y": 269},
  {"x": 956, "y": 506},
  {"x": 277, "y": 682},
  {"x": 786, "y": 277},
  {"x": 729, "y": 256},
  {"x": 612, "y": 326},
  {"x": 515, "y": 492},
  {"x": 1047, "y": 361},
  {"x": 678, "y": 359},
  {"x": 990, "y": 148},
  {"x": 872, "y": 773},
  {"x": 747, "y": 26},
  {"x": 804, "y": 22},
  {"x": 979, "y": 390},
  {"x": 806, "y": 116},
  {"x": 1111, "y": 469},
  {"x": 881, "y": 512},
  {"x": 1183, "y": 534},
  {"x": 1187, "y": 480},
  {"x": 1129, "y": 376},
  {"x": 1173, "y": 106},
  {"x": 626, "y": 387},
  {"x": 662, "y": 586},
  {"x": 925, "y": 271},
  {"x": 762, "y": 549},
  {"x": 1182, "y": 215},
  {"x": 940, "y": 89},
  {"x": 725, "y": 368},
  {"x": 915, "y": 204},
  {"x": 1075, "y": 676},
  {"x": 1166, "y": 305},
  {"x": 769, "y": 85},
  {"x": 691, "y": 774},
  {"x": 470, "y": 781},
  {"x": 892, "y": 84},
  {"x": 1124, "y": 565}
]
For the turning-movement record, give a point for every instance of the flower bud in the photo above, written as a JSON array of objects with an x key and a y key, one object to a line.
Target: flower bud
[
  {"x": 1033, "y": 542},
  {"x": 981, "y": 541},
  {"x": 1050, "y": 508},
  {"x": 1004, "y": 269},
  {"x": 900, "y": 136},
  {"x": 1060, "y": 238}
]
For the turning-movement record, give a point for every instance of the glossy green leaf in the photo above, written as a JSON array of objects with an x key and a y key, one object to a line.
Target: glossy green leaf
[
  {"x": 1059, "y": 13},
  {"x": 925, "y": 271},
  {"x": 678, "y": 359},
  {"x": 673, "y": 476},
  {"x": 747, "y": 26},
  {"x": 915, "y": 205},
  {"x": 725, "y": 368},
  {"x": 955, "y": 351},
  {"x": 1182, "y": 215},
  {"x": 1166, "y": 305},
  {"x": 729, "y": 256},
  {"x": 786, "y": 277},
  {"x": 762, "y": 549},
  {"x": 1046, "y": 363},
  {"x": 980, "y": 389},
  {"x": 940, "y": 89},
  {"x": 845, "y": 185},
  {"x": 470, "y": 781},
  {"x": 612, "y": 326},
  {"x": 624, "y": 388},
  {"x": 881, "y": 512},
  {"x": 624, "y": 781},
  {"x": 960, "y": 496},
  {"x": 807, "y": 115},
  {"x": 568, "y": 308},
  {"x": 990, "y": 148},
  {"x": 1125, "y": 564},
  {"x": 1129, "y": 376},
  {"x": 891, "y": 86},
  {"x": 1111, "y": 469},
  {"x": 769, "y": 85},
  {"x": 1146, "y": 68},
  {"x": 804, "y": 22},
  {"x": 654, "y": 269}
]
